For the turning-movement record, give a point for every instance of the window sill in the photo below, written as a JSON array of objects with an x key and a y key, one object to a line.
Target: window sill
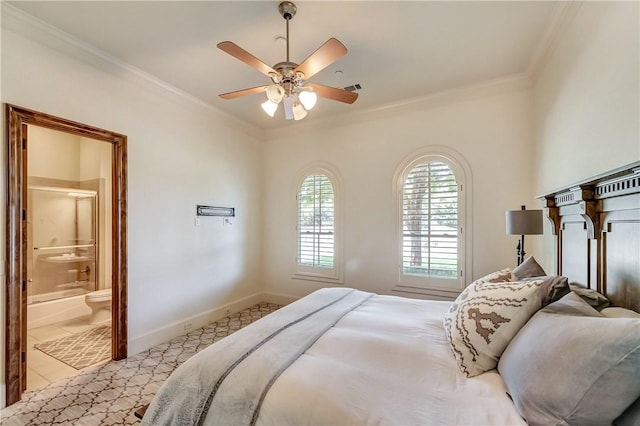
[
  {"x": 318, "y": 278},
  {"x": 438, "y": 294}
]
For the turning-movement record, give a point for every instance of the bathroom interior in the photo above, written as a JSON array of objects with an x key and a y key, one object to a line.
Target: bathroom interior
[{"x": 68, "y": 317}]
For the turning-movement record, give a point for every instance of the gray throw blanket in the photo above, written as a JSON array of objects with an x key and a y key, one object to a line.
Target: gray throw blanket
[{"x": 226, "y": 383}]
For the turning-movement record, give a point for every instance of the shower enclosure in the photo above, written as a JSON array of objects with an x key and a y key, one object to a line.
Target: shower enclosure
[{"x": 62, "y": 243}]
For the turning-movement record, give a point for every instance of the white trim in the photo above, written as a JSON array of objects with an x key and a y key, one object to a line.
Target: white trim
[
  {"x": 329, "y": 275},
  {"x": 3, "y": 395},
  {"x": 560, "y": 16},
  {"x": 462, "y": 172},
  {"x": 516, "y": 82},
  {"x": 425, "y": 292},
  {"x": 142, "y": 342},
  {"x": 279, "y": 299}
]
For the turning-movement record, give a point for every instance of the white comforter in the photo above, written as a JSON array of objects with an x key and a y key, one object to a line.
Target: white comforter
[{"x": 386, "y": 362}]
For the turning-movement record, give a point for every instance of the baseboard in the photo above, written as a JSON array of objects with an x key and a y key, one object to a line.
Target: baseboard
[
  {"x": 137, "y": 344},
  {"x": 3, "y": 396},
  {"x": 278, "y": 299}
]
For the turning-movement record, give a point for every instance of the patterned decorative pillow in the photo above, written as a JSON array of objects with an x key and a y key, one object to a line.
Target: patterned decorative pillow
[
  {"x": 495, "y": 277},
  {"x": 485, "y": 317}
]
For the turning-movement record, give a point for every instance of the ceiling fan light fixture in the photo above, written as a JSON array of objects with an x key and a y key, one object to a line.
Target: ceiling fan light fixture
[
  {"x": 307, "y": 99},
  {"x": 275, "y": 93},
  {"x": 289, "y": 79},
  {"x": 269, "y": 107},
  {"x": 299, "y": 112}
]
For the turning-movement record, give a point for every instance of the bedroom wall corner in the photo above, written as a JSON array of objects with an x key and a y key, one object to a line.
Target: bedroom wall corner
[{"x": 587, "y": 99}]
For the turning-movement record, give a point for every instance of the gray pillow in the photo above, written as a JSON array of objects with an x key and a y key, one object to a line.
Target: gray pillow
[
  {"x": 592, "y": 297},
  {"x": 631, "y": 416},
  {"x": 528, "y": 268},
  {"x": 569, "y": 365},
  {"x": 555, "y": 287}
]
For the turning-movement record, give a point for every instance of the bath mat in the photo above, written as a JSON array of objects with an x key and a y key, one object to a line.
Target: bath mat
[{"x": 82, "y": 349}]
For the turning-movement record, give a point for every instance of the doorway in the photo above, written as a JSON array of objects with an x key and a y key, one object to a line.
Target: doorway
[{"x": 85, "y": 254}]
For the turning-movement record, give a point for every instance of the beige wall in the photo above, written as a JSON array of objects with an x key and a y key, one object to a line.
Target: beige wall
[
  {"x": 491, "y": 132},
  {"x": 180, "y": 153},
  {"x": 587, "y": 115},
  {"x": 54, "y": 155}
]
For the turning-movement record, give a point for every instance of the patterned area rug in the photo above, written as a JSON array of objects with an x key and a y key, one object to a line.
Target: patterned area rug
[
  {"x": 109, "y": 394},
  {"x": 82, "y": 349}
]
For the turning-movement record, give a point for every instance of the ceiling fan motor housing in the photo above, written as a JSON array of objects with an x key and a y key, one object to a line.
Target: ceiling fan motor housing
[{"x": 287, "y": 9}]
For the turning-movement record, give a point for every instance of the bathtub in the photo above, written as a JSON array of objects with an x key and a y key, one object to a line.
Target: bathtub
[{"x": 49, "y": 308}]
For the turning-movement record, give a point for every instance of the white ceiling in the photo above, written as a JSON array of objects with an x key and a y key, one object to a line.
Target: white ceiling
[{"x": 397, "y": 50}]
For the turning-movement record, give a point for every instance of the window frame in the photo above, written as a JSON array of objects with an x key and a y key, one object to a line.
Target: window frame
[
  {"x": 438, "y": 287},
  {"x": 319, "y": 273}
]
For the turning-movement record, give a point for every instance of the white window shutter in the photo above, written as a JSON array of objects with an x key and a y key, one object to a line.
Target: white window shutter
[
  {"x": 430, "y": 222},
  {"x": 316, "y": 222}
]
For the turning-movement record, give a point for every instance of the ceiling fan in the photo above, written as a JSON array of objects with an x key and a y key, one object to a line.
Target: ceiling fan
[{"x": 289, "y": 80}]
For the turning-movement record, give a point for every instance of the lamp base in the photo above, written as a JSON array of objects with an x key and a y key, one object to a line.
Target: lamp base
[{"x": 520, "y": 250}]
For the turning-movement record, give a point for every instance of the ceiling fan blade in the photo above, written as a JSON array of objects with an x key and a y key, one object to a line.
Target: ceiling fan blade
[
  {"x": 243, "y": 92},
  {"x": 324, "y": 56},
  {"x": 333, "y": 93},
  {"x": 239, "y": 53}
]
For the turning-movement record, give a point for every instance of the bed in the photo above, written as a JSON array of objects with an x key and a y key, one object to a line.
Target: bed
[{"x": 517, "y": 346}]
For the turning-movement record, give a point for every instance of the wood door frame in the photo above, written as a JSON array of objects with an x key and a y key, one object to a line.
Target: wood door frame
[{"x": 16, "y": 245}]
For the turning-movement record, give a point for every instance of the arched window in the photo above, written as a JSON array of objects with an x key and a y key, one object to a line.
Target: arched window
[
  {"x": 430, "y": 221},
  {"x": 317, "y": 238},
  {"x": 431, "y": 224}
]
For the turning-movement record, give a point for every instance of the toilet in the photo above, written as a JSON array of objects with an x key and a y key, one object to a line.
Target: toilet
[{"x": 100, "y": 304}]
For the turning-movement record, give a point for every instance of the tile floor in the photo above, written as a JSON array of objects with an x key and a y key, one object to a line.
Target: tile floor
[{"x": 43, "y": 369}]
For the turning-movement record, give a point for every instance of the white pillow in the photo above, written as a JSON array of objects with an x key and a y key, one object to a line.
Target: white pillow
[{"x": 485, "y": 317}]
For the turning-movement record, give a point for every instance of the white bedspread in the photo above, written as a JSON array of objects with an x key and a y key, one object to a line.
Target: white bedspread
[{"x": 386, "y": 362}]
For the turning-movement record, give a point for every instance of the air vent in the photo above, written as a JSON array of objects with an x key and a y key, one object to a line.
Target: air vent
[{"x": 353, "y": 87}]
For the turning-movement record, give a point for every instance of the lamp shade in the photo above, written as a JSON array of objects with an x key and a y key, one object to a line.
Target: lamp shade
[
  {"x": 524, "y": 222},
  {"x": 299, "y": 112},
  {"x": 308, "y": 99},
  {"x": 275, "y": 93},
  {"x": 269, "y": 107}
]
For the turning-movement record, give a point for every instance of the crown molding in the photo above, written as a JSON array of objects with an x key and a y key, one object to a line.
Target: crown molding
[
  {"x": 562, "y": 13},
  {"x": 474, "y": 91},
  {"x": 35, "y": 29}
]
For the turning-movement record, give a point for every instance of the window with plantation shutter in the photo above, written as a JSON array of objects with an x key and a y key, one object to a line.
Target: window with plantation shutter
[
  {"x": 317, "y": 250},
  {"x": 430, "y": 222},
  {"x": 431, "y": 225},
  {"x": 315, "y": 222}
]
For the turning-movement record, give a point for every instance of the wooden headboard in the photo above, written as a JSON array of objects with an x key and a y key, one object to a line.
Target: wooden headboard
[{"x": 597, "y": 224}]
